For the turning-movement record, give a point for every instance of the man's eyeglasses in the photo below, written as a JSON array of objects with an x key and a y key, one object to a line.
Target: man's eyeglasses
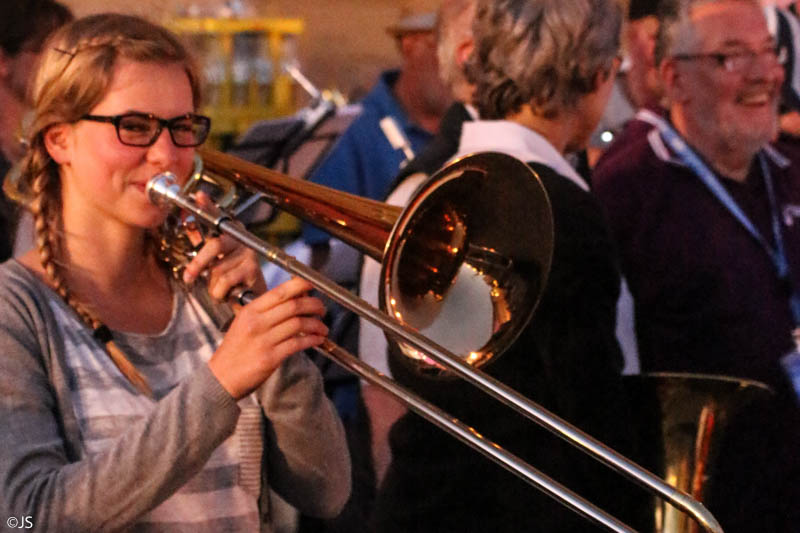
[
  {"x": 741, "y": 61},
  {"x": 142, "y": 129}
]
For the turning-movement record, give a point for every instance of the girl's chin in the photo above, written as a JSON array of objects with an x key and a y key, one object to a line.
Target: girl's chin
[{"x": 152, "y": 219}]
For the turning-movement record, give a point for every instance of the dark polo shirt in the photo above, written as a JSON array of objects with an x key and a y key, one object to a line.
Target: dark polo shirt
[
  {"x": 707, "y": 295},
  {"x": 708, "y": 300}
]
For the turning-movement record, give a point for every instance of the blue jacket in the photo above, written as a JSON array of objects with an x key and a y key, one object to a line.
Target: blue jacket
[{"x": 363, "y": 162}]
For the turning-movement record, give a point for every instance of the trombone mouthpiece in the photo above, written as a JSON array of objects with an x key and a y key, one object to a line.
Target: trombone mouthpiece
[{"x": 162, "y": 188}]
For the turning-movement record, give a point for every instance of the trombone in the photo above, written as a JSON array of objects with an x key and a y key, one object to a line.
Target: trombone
[{"x": 420, "y": 267}]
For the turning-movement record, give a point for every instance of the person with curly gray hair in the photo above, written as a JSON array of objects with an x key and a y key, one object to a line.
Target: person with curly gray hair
[
  {"x": 542, "y": 70},
  {"x": 546, "y": 55}
]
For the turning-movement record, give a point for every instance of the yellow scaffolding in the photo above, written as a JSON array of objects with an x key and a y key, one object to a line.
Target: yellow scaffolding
[{"x": 242, "y": 63}]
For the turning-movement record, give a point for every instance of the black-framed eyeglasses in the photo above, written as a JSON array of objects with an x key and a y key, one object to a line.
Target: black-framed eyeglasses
[
  {"x": 740, "y": 61},
  {"x": 143, "y": 129}
]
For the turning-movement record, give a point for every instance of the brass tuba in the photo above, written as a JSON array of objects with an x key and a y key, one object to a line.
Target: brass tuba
[{"x": 686, "y": 419}]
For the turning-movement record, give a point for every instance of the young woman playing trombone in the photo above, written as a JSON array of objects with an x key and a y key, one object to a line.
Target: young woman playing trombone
[{"x": 122, "y": 406}]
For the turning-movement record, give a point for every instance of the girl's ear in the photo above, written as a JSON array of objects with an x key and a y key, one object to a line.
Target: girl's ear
[
  {"x": 464, "y": 50},
  {"x": 57, "y": 141}
]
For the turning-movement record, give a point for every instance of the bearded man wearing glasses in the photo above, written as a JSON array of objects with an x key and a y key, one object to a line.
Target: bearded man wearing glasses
[{"x": 705, "y": 210}]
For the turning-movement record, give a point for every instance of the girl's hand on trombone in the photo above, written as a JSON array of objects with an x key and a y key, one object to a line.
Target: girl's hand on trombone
[
  {"x": 266, "y": 331},
  {"x": 226, "y": 264}
]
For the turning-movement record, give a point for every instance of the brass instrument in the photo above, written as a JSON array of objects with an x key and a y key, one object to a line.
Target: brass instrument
[
  {"x": 481, "y": 227},
  {"x": 685, "y": 419}
]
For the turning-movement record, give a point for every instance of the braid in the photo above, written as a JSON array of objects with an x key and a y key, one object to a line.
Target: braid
[
  {"x": 103, "y": 41},
  {"x": 75, "y": 71},
  {"x": 48, "y": 244}
]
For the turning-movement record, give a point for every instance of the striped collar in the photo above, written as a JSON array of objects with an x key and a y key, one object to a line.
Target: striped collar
[{"x": 665, "y": 154}]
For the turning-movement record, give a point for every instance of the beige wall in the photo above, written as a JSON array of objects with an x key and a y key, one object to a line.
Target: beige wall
[{"x": 344, "y": 45}]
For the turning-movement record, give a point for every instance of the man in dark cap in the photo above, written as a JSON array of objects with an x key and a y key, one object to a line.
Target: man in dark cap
[{"x": 24, "y": 26}]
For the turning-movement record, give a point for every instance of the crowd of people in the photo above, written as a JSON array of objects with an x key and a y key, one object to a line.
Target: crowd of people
[{"x": 664, "y": 136}]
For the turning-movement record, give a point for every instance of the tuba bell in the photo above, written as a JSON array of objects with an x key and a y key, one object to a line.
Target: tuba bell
[{"x": 687, "y": 422}]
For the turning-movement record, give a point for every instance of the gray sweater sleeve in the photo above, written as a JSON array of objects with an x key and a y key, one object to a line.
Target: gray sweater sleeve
[
  {"x": 43, "y": 472},
  {"x": 308, "y": 460}
]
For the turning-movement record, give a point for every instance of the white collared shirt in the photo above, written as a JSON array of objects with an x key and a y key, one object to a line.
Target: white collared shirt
[{"x": 518, "y": 141}]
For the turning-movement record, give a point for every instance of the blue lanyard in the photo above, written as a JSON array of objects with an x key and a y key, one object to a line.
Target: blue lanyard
[{"x": 777, "y": 254}]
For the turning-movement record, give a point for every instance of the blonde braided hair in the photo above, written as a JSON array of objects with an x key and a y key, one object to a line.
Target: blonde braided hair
[
  {"x": 75, "y": 72},
  {"x": 48, "y": 244}
]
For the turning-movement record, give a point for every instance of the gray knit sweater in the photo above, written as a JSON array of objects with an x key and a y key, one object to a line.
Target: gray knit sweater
[{"x": 46, "y": 474}]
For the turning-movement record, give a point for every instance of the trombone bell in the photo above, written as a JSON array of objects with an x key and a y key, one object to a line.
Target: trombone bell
[{"x": 468, "y": 258}]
